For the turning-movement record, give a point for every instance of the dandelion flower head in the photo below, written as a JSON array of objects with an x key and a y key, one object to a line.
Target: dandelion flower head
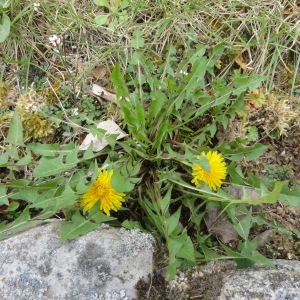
[
  {"x": 217, "y": 171},
  {"x": 102, "y": 191}
]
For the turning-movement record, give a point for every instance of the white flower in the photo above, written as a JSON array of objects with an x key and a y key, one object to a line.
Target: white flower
[
  {"x": 183, "y": 73},
  {"x": 55, "y": 40},
  {"x": 36, "y": 6},
  {"x": 75, "y": 111}
]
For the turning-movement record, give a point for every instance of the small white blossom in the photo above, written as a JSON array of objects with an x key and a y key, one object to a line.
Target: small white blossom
[
  {"x": 55, "y": 42},
  {"x": 36, "y": 6},
  {"x": 183, "y": 73},
  {"x": 75, "y": 111}
]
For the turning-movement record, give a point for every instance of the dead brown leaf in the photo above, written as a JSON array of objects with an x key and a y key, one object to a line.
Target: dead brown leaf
[
  {"x": 99, "y": 91},
  {"x": 98, "y": 72},
  {"x": 219, "y": 226}
]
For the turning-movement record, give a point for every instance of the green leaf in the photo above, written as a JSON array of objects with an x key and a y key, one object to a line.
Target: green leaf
[
  {"x": 248, "y": 153},
  {"x": 3, "y": 159},
  {"x": 66, "y": 199},
  {"x": 290, "y": 195},
  {"x": 51, "y": 166},
  {"x": 256, "y": 257},
  {"x": 165, "y": 202},
  {"x": 172, "y": 269},
  {"x": 244, "y": 225},
  {"x": 44, "y": 200},
  {"x": 252, "y": 82},
  {"x": 101, "y": 19},
  {"x": 72, "y": 157},
  {"x": 29, "y": 195},
  {"x": 98, "y": 216},
  {"x": 132, "y": 224},
  {"x": 14, "y": 205},
  {"x": 15, "y": 132},
  {"x": 140, "y": 114},
  {"x": 4, "y": 27},
  {"x": 3, "y": 196},
  {"x": 172, "y": 222},
  {"x": 224, "y": 93},
  {"x": 159, "y": 100},
  {"x": 118, "y": 81},
  {"x": 78, "y": 226},
  {"x": 137, "y": 41},
  {"x": 102, "y": 3},
  {"x": 272, "y": 197},
  {"x": 44, "y": 149},
  {"x": 121, "y": 183},
  {"x": 204, "y": 163},
  {"x": 194, "y": 55},
  {"x": 20, "y": 183},
  {"x": 194, "y": 80},
  {"x": 22, "y": 221},
  {"x": 88, "y": 153},
  {"x": 187, "y": 250},
  {"x": 24, "y": 161},
  {"x": 4, "y": 4},
  {"x": 252, "y": 133},
  {"x": 124, "y": 4},
  {"x": 49, "y": 199}
]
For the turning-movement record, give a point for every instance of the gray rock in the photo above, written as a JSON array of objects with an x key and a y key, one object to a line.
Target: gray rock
[
  {"x": 263, "y": 283},
  {"x": 104, "y": 264}
]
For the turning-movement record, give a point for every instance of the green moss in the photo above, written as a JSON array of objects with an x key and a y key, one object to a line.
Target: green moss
[{"x": 4, "y": 88}]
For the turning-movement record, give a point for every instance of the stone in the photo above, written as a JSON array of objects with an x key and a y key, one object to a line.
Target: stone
[
  {"x": 103, "y": 264},
  {"x": 262, "y": 282}
]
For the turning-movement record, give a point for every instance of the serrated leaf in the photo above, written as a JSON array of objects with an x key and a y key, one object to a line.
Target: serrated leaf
[
  {"x": 44, "y": 149},
  {"x": 252, "y": 133},
  {"x": 159, "y": 99},
  {"x": 291, "y": 196},
  {"x": 51, "y": 166},
  {"x": 15, "y": 132},
  {"x": 256, "y": 257},
  {"x": 29, "y": 195},
  {"x": 249, "y": 153},
  {"x": 88, "y": 153},
  {"x": 272, "y": 197},
  {"x": 137, "y": 41},
  {"x": 224, "y": 93},
  {"x": 194, "y": 80},
  {"x": 252, "y": 82},
  {"x": 78, "y": 226},
  {"x": 72, "y": 157}
]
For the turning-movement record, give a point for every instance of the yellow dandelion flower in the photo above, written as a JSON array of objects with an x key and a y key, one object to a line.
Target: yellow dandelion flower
[
  {"x": 216, "y": 174},
  {"x": 101, "y": 190}
]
